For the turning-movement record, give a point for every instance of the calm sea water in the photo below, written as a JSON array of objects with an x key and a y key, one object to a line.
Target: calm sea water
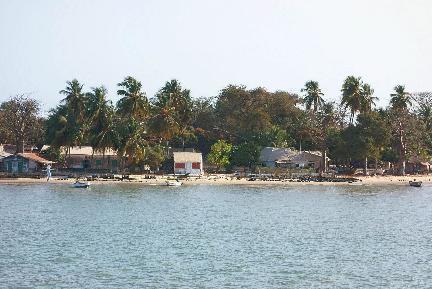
[{"x": 128, "y": 236}]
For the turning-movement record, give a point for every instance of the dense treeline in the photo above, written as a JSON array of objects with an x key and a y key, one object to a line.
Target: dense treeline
[{"x": 230, "y": 128}]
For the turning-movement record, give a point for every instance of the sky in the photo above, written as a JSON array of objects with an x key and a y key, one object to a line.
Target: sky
[{"x": 206, "y": 45}]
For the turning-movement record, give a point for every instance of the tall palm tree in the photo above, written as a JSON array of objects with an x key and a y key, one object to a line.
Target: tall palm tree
[
  {"x": 100, "y": 116},
  {"x": 75, "y": 102},
  {"x": 313, "y": 95},
  {"x": 134, "y": 103},
  {"x": 368, "y": 99},
  {"x": 357, "y": 96},
  {"x": 75, "y": 99},
  {"x": 352, "y": 95},
  {"x": 400, "y": 99},
  {"x": 172, "y": 111}
]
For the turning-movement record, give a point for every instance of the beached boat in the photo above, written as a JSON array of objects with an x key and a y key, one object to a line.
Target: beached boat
[
  {"x": 173, "y": 183},
  {"x": 416, "y": 184},
  {"x": 80, "y": 184}
]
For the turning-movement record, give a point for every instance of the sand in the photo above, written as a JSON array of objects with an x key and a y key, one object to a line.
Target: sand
[{"x": 228, "y": 180}]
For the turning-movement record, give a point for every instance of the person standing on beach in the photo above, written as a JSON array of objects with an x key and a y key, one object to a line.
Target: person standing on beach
[{"x": 48, "y": 170}]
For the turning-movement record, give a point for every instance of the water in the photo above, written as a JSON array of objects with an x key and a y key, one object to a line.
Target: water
[{"x": 129, "y": 236}]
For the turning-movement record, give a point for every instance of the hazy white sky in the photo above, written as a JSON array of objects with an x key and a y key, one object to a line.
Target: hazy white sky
[{"x": 209, "y": 44}]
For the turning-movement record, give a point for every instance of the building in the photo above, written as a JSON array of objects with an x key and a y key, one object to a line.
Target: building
[
  {"x": 417, "y": 165},
  {"x": 188, "y": 163},
  {"x": 289, "y": 158},
  {"x": 24, "y": 163},
  {"x": 85, "y": 158},
  {"x": 269, "y": 156},
  {"x": 3, "y": 154}
]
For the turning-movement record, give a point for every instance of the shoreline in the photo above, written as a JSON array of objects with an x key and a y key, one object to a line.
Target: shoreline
[{"x": 224, "y": 180}]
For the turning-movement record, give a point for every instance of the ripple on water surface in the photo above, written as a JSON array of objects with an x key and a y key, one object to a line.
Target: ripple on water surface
[{"x": 120, "y": 236}]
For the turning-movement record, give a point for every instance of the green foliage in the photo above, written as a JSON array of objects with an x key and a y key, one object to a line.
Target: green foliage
[
  {"x": 373, "y": 135},
  {"x": 357, "y": 96},
  {"x": 245, "y": 155},
  {"x": 400, "y": 100},
  {"x": 20, "y": 121},
  {"x": 134, "y": 103},
  {"x": 172, "y": 112},
  {"x": 154, "y": 157},
  {"x": 233, "y": 126},
  {"x": 313, "y": 95},
  {"x": 54, "y": 154},
  {"x": 220, "y": 154}
]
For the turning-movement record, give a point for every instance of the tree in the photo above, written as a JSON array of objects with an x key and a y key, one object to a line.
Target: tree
[
  {"x": 220, "y": 154},
  {"x": 100, "y": 115},
  {"x": 75, "y": 99},
  {"x": 57, "y": 128},
  {"x": 154, "y": 157},
  {"x": 373, "y": 136},
  {"x": 245, "y": 155},
  {"x": 243, "y": 113},
  {"x": 172, "y": 112},
  {"x": 400, "y": 102},
  {"x": 324, "y": 123},
  {"x": 401, "y": 99},
  {"x": 357, "y": 96},
  {"x": 75, "y": 103},
  {"x": 134, "y": 103},
  {"x": 368, "y": 99},
  {"x": 423, "y": 102},
  {"x": 133, "y": 112},
  {"x": 313, "y": 95},
  {"x": 20, "y": 119}
]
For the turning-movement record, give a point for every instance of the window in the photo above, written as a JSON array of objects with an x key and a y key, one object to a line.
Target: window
[
  {"x": 180, "y": 165},
  {"x": 114, "y": 163},
  {"x": 196, "y": 166},
  {"x": 98, "y": 163}
]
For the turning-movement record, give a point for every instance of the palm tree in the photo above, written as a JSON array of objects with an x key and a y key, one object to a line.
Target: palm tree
[
  {"x": 172, "y": 111},
  {"x": 134, "y": 103},
  {"x": 357, "y": 96},
  {"x": 352, "y": 95},
  {"x": 368, "y": 98},
  {"x": 100, "y": 116},
  {"x": 313, "y": 95},
  {"x": 75, "y": 99},
  {"x": 400, "y": 99},
  {"x": 75, "y": 102}
]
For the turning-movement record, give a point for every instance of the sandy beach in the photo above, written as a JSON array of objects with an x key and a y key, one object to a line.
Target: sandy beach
[{"x": 228, "y": 180}]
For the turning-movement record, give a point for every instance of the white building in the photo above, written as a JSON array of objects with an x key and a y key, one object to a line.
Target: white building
[{"x": 188, "y": 163}]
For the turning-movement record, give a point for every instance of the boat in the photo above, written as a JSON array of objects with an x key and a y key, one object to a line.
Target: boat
[
  {"x": 173, "y": 183},
  {"x": 80, "y": 184},
  {"x": 416, "y": 184}
]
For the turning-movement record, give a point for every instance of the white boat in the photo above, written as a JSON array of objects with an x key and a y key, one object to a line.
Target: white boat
[
  {"x": 79, "y": 184},
  {"x": 173, "y": 183}
]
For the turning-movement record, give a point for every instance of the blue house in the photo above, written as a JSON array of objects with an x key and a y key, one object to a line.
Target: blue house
[{"x": 24, "y": 163}]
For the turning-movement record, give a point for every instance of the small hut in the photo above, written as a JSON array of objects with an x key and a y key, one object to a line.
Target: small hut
[
  {"x": 24, "y": 163},
  {"x": 188, "y": 163}
]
